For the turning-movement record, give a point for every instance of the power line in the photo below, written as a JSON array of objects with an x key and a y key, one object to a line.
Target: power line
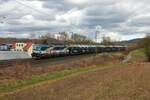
[
  {"x": 32, "y": 8},
  {"x": 47, "y": 14}
]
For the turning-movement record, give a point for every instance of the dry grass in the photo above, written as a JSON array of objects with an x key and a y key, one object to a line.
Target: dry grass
[
  {"x": 118, "y": 81},
  {"x": 18, "y": 70},
  {"x": 21, "y": 70},
  {"x": 128, "y": 82}
]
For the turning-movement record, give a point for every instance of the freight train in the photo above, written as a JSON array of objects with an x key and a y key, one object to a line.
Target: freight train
[{"x": 45, "y": 51}]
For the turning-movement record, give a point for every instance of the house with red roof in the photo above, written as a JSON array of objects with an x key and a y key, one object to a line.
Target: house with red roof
[
  {"x": 13, "y": 46},
  {"x": 28, "y": 48},
  {"x": 23, "y": 47}
]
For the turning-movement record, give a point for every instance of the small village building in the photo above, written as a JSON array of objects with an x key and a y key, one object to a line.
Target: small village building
[
  {"x": 19, "y": 46},
  {"x": 28, "y": 48},
  {"x": 23, "y": 47},
  {"x": 63, "y": 36},
  {"x": 57, "y": 36}
]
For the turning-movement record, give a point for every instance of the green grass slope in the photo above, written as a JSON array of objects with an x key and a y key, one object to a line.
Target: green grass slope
[
  {"x": 127, "y": 82},
  {"x": 137, "y": 55}
]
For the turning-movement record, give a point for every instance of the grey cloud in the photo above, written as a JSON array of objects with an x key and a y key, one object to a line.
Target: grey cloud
[
  {"x": 112, "y": 15},
  {"x": 140, "y": 22},
  {"x": 107, "y": 16}
]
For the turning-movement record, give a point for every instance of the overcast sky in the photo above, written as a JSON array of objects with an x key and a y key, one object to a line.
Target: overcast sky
[{"x": 120, "y": 19}]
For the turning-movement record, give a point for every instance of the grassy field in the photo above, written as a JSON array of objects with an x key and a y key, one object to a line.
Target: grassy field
[
  {"x": 13, "y": 86},
  {"x": 128, "y": 82},
  {"x": 112, "y": 81},
  {"x": 138, "y": 55}
]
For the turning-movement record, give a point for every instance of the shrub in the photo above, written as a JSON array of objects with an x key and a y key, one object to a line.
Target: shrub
[{"x": 145, "y": 44}]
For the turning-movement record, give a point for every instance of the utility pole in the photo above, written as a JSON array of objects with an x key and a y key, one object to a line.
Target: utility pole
[
  {"x": 96, "y": 36},
  {"x": 97, "y": 33},
  {"x": 98, "y": 29}
]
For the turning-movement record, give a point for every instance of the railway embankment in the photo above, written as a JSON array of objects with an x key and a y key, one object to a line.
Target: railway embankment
[{"x": 11, "y": 55}]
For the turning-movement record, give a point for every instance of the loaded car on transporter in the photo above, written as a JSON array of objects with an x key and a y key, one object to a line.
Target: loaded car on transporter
[
  {"x": 44, "y": 51},
  {"x": 58, "y": 50}
]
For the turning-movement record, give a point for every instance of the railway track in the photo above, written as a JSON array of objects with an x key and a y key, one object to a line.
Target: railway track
[
  {"x": 44, "y": 62},
  {"x": 4, "y": 64}
]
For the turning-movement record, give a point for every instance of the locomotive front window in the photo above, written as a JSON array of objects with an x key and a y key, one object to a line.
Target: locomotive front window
[
  {"x": 44, "y": 48},
  {"x": 58, "y": 48},
  {"x": 39, "y": 48}
]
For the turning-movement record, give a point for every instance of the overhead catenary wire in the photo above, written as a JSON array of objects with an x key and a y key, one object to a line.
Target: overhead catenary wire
[
  {"x": 29, "y": 7},
  {"x": 38, "y": 11}
]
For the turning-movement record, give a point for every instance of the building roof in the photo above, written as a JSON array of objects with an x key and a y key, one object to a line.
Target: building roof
[
  {"x": 13, "y": 45},
  {"x": 28, "y": 45}
]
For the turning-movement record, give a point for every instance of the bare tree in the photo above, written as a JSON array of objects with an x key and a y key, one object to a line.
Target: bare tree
[
  {"x": 64, "y": 36},
  {"x": 49, "y": 35},
  {"x": 107, "y": 40},
  {"x": 44, "y": 39},
  {"x": 78, "y": 37},
  {"x": 32, "y": 35}
]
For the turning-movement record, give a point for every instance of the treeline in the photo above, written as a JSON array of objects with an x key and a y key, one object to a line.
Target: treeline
[
  {"x": 60, "y": 38},
  {"x": 13, "y": 40},
  {"x": 65, "y": 38}
]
